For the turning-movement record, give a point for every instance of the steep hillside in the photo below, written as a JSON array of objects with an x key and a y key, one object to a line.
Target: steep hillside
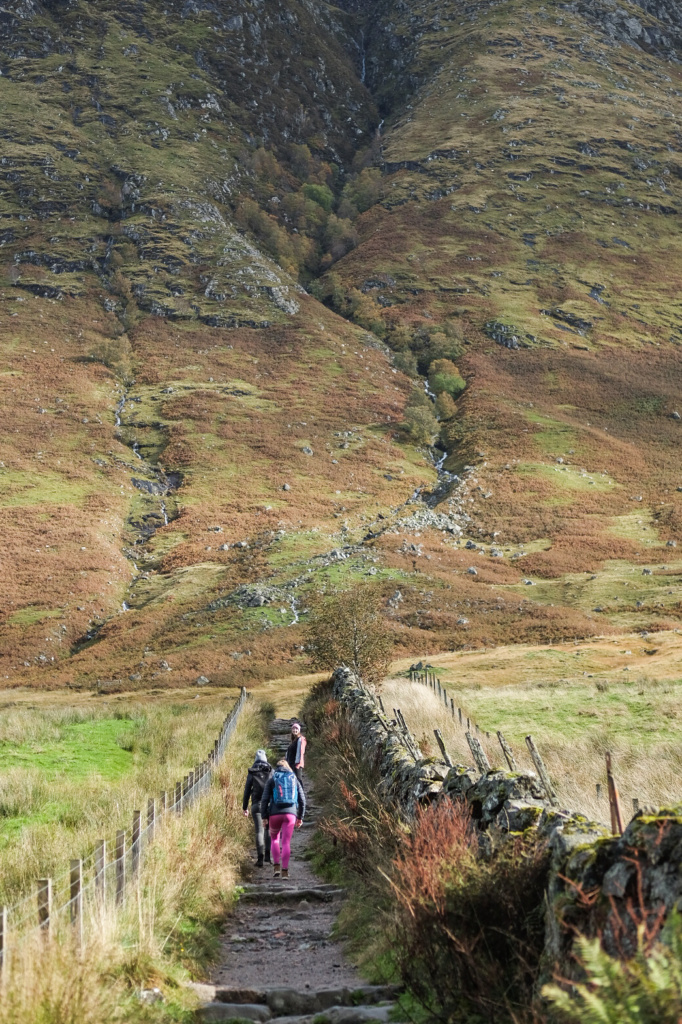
[
  {"x": 526, "y": 225},
  {"x": 213, "y": 215}
]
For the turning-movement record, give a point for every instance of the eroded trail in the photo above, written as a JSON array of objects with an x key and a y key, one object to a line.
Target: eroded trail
[{"x": 279, "y": 959}]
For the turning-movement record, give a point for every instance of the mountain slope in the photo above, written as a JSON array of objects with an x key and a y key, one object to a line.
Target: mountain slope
[
  {"x": 194, "y": 446},
  {"x": 527, "y": 219}
]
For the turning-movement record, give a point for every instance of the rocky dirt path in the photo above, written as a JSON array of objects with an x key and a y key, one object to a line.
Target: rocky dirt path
[{"x": 279, "y": 960}]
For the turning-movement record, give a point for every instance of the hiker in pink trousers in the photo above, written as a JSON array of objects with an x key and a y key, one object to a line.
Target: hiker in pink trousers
[{"x": 283, "y": 805}]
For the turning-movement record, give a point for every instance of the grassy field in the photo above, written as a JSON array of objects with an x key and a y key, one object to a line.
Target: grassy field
[
  {"x": 72, "y": 771},
  {"x": 578, "y": 701},
  {"x": 166, "y": 931}
]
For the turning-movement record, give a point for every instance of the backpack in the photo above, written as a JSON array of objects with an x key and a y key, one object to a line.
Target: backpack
[
  {"x": 258, "y": 780},
  {"x": 284, "y": 788}
]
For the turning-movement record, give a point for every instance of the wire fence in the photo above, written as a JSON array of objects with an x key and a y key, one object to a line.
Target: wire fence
[
  {"x": 473, "y": 734},
  {"x": 77, "y": 900}
]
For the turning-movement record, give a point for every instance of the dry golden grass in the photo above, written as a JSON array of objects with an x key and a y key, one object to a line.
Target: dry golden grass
[
  {"x": 162, "y": 935},
  {"x": 577, "y": 701}
]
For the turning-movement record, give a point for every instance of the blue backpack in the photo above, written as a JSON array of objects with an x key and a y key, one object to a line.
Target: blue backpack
[{"x": 284, "y": 788}]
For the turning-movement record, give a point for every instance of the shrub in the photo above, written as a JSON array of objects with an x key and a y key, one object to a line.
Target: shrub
[
  {"x": 320, "y": 194},
  {"x": 350, "y": 630},
  {"x": 470, "y": 929},
  {"x": 406, "y": 362},
  {"x": 445, "y": 406},
  {"x": 419, "y": 424},
  {"x": 364, "y": 191},
  {"x": 445, "y": 377}
]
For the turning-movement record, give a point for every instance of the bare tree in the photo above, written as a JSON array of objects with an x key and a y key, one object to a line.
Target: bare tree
[{"x": 350, "y": 630}]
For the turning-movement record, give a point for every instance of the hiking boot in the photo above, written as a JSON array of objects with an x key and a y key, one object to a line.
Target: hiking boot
[
  {"x": 259, "y": 862},
  {"x": 285, "y": 872},
  {"x": 276, "y": 871},
  {"x": 268, "y": 859}
]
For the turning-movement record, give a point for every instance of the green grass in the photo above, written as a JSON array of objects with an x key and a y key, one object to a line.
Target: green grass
[
  {"x": 99, "y": 747},
  {"x": 69, "y": 774}
]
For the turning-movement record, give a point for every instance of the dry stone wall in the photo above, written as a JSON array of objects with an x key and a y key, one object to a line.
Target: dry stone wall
[{"x": 597, "y": 882}]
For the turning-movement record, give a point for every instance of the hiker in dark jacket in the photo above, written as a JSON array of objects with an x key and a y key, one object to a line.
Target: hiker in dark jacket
[
  {"x": 283, "y": 806},
  {"x": 295, "y": 754},
  {"x": 256, "y": 779}
]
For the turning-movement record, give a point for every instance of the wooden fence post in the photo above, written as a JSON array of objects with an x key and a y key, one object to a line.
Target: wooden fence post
[
  {"x": 542, "y": 771},
  {"x": 120, "y": 865},
  {"x": 100, "y": 870},
  {"x": 507, "y": 751},
  {"x": 44, "y": 905},
  {"x": 459, "y": 714},
  {"x": 635, "y": 804},
  {"x": 614, "y": 800},
  {"x": 178, "y": 798},
  {"x": 4, "y": 945},
  {"x": 478, "y": 754},
  {"x": 151, "y": 819},
  {"x": 163, "y": 803},
  {"x": 441, "y": 744},
  {"x": 452, "y": 706},
  {"x": 135, "y": 845},
  {"x": 598, "y": 788},
  {"x": 76, "y": 901}
]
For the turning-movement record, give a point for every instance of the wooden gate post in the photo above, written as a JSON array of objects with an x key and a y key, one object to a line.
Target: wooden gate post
[
  {"x": 120, "y": 865},
  {"x": 614, "y": 800},
  {"x": 151, "y": 819},
  {"x": 542, "y": 771},
  {"x": 3, "y": 944},
  {"x": 44, "y": 905},
  {"x": 507, "y": 751},
  {"x": 100, "y": 870},
  {"x": 135, "y": 846},
  {"x": 76, "y": 901}
]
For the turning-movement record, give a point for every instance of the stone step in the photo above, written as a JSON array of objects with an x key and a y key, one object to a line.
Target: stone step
[
  {"x": 218, "y": 1011},
  {"x": 280, "y": 894},
  {"x": 342, "y": 1015},
  {"x": 363, "y": 1014},
  {"x": 287, "y": 885},
  {"x": 287, "y": 1001}
]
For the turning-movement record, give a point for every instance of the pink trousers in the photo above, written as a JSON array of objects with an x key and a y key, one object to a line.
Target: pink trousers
[{"x": 284, "y": 824}]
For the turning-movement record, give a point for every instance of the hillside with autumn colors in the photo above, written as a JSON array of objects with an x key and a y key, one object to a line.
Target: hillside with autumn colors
[{"x": 296, "y": 297}]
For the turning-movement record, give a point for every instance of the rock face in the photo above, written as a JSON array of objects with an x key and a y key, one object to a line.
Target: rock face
[{"x": 598, "y": 883}]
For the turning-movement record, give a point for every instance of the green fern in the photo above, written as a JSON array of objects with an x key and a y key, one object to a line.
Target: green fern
[{"x": 644, "y": 990}]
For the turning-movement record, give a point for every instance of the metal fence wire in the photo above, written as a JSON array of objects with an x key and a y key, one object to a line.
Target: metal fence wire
[{"x": 76, "y": 901}]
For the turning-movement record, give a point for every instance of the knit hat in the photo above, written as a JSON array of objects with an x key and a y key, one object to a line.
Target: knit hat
[
  {"x": 261, "y": 755},
  {"x": 295, "y": 727}
]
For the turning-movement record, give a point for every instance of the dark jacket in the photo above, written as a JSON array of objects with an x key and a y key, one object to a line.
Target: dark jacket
[
  {"x": 295, "y": 754},
  {"x": 268, "y": 805},
  {"x": 256, "y": 779}
]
